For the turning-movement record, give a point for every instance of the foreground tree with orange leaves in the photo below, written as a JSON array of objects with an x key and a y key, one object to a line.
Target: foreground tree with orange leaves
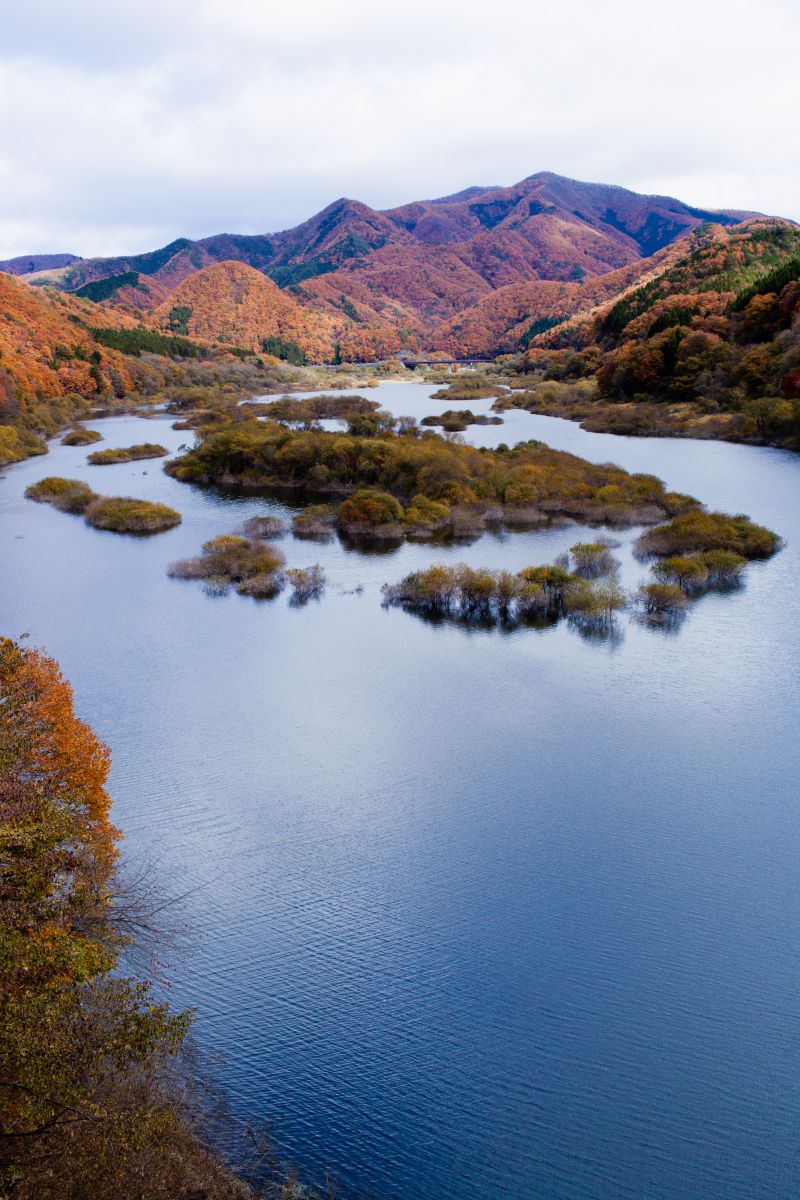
[{"x": 90, "y": 1103}]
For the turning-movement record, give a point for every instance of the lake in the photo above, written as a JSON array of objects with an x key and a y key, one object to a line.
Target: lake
[{"x": 471, "y": 913}]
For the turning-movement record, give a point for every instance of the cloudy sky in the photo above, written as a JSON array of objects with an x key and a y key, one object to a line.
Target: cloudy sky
[{"x": 127, "y": 123}]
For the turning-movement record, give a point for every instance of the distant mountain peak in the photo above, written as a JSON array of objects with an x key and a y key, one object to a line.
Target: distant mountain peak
[
  {"x": 387, "y": 280},
  {"x": 469, "y": 193},
  {"x": 29, "y": 264}
]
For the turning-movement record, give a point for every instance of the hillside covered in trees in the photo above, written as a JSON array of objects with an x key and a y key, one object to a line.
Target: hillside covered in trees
[
  {"x": 51, "y": 365},
  {"x": 402, "y": 280},
  {"x": 63, "y": 356},
  {"x": 233, "y": 303},
  {"x": 712, "y": 344}
]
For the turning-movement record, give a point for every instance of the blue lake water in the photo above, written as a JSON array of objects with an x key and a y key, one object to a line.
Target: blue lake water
[{"x": 475, "y": 914}]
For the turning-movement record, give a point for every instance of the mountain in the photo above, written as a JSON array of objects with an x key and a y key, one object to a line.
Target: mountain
[
  {"x": 449, "y": 254},
  {"x": 716, "y": 272},
  {"x": 27, "y": 264},
  {"x": 51, "y": 364},
  {"x": 709, "y": 345},
  {"x": 700, "y": 337},
  {"x": 233, "y": 303},
  {"x": 390, "y": 280},
  {"x": 511, "y": 317},
  {"x": 638, "y": 224}
]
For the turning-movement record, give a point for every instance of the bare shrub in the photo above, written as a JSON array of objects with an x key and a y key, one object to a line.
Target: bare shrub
[
  {"x": 266, "y": 528},
  {"x": 307, "y": 583}
]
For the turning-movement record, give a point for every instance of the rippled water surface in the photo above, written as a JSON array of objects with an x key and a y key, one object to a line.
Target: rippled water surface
[{"x": 477, "y": 914}]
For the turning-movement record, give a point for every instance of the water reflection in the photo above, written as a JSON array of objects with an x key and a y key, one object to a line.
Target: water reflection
[{"x": 484, "y": 913}]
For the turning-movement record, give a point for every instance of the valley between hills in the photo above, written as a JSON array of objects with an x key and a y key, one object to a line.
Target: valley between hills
[{"x": 630, "y": 313}]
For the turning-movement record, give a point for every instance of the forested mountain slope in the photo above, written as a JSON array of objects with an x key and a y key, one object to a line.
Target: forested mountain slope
[
  {"x": 391, "y": 280},
  {"x": 718, "y": 332}
]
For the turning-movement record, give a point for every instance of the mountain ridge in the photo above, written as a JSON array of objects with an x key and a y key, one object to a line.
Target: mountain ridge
[
  {"x": 470, "y": 208},
  {"x": 406, "y": 279}
]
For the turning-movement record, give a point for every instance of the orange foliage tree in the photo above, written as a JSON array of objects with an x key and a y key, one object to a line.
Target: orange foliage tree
[{"x": 88, "y": 1104}]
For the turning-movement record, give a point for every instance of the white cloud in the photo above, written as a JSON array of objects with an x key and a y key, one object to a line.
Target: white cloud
[{"x": 128, "y": 124}]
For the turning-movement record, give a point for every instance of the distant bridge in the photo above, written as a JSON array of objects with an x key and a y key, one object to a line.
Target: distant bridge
[{"x": 411, "y": 363}]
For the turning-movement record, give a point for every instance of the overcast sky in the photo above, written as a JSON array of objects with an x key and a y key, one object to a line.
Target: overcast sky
[{"x": 126, "y": 123}]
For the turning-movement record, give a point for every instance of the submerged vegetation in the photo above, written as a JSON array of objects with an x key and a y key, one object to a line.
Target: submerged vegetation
[
  {"x": 693, "y": 572},
  {"x": 544, "y": 593},
  {"x": 254, "y": 569},
  {"x": 266, "y": 528},
  {"x": 593, "y": 559},
  {"x": 454, "y": 420},
  {"x": 307, "y": 583},
  {"x": 315, "y": 521},
  {"x": 81, "y": 437},
  {"x": 470, "y": 385},
  {"x": 662, "y": 601},
  {"x": 123, "y": 454},
  {"x": 393, "y": 478},
  {"x": 123, "y": 514},
  {"x": 316, "y": 408},
  {"x": 702, "y": 531},
  {"x": 370, "y": 510},
  {"x": 119, "y": 514},
  {"x": 250, "y": 566},
  {"x": 403, "y": 484},
  {"x": 581, "y": 586},
  {"x": 67, "y": 495},
  {"x": 696, "y": 553}
]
